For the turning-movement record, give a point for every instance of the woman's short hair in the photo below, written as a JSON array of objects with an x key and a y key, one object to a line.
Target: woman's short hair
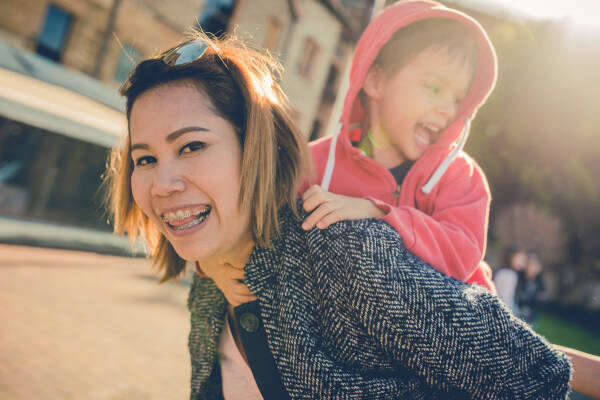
[{"x": 241, "y": 83}]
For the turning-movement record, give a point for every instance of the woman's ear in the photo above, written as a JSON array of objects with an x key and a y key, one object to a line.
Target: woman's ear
[{"x": 374, "y": 82}]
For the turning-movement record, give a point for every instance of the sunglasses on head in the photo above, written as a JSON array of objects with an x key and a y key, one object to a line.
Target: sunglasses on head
[{"x": 183, "y": 54}]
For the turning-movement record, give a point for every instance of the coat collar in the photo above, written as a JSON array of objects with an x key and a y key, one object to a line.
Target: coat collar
[{"x": 265, "y": 261}]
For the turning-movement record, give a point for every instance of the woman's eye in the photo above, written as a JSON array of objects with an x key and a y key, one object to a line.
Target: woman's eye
[
  {"x": 145, "y": 160},
  {"x": 191, "y": 147}
]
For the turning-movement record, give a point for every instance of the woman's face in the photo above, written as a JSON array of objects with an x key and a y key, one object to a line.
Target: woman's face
[{"x": 186, "y": 175}]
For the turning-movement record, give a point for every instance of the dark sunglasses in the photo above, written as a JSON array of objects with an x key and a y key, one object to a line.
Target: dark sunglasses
[{"x": 183, "y": 54}]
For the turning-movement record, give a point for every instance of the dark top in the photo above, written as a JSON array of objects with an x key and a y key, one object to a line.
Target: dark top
[
  {"x": 349, "y": 313},
  {"x": 399, "y": 172}
]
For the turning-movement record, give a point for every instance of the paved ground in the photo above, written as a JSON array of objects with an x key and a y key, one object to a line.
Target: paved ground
[{"x": 77, "y": 325}]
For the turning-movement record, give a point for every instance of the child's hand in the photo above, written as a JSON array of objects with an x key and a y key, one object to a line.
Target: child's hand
[
  {"x": 229, "y": 280},
  {"x": 330, "y": 208}
]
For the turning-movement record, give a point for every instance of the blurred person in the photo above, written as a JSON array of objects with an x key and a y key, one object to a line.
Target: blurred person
[
  {"x": 209, "y": 173},
  {"x": 508, "y": 276},
  {"x": 532, "y": 290}
]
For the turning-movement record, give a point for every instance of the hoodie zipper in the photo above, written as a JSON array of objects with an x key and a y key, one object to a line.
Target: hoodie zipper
[{"x": 397, "y": 194}]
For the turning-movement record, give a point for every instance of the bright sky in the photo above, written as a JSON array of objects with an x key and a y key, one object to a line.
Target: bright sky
[{"x": 582, "y": 11}]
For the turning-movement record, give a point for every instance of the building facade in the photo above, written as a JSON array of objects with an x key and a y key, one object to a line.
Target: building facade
[{"x": 62, "y": 61}]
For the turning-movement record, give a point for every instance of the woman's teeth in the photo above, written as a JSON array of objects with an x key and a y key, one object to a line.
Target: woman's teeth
[{"x": 184, "y": 219}]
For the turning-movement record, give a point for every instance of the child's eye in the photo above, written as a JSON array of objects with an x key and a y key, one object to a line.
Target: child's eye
[
  {"x": 191, "y": 147},
  {"x": 433, "y": 88},
  {"x": 145, "y": 160}
]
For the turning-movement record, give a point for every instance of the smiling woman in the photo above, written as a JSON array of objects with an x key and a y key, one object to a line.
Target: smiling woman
[
  {"x": 204, "y": 122},
  {"x": 186, "y": 175},
  {"x": 209, "y": 173}
]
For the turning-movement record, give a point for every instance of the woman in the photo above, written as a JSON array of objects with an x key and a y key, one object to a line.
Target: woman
[{"x": 208, "y": 173}]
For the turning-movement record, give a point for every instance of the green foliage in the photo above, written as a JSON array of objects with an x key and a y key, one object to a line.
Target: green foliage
[{"x": 566, "y": 333}]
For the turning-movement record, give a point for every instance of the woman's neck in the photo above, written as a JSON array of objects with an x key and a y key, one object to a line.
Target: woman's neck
[{"x": 236, "y": 258}]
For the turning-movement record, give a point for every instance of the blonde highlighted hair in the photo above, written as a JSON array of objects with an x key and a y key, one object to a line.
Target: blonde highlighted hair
[{"x": 241, "y": 83}]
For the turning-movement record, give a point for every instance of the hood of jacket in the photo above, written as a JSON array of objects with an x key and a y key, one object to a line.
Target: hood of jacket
[{"x": 378, "y": 32}]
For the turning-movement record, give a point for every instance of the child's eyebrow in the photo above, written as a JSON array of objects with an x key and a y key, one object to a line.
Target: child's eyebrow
[{"x": 435, "y": 75}]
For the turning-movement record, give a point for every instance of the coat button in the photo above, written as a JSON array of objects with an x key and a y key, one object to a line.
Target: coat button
[{"x": 249, "y": 322}]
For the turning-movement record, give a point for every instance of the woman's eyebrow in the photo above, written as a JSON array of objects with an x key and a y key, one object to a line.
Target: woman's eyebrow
[
  {"x": 174, "y": 135},
  {"x": 171, "y": 136},
  {"x": 139, "y": 146}
]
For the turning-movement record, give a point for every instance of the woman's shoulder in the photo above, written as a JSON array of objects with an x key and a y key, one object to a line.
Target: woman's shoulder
[
  {"x": 291, "y": 222},
  {"x": 344, "y": 231}
]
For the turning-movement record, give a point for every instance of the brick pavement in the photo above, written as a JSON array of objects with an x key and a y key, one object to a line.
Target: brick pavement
[{"x": 77, "y": 325}]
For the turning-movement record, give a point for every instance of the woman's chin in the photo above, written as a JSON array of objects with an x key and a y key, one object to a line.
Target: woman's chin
[{"x": 190, "y": 252}]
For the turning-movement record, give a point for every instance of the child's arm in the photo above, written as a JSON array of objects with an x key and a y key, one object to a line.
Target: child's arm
[
  {"x": 330, "y": 208},
  {"x": 229, "y": 280},
  {"x": 451, "y": 236}
]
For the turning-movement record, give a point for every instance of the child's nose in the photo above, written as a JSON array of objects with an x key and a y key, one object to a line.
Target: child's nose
[
  {"x": 448, "y": 108},
  {"x": 167, "y": 181}
]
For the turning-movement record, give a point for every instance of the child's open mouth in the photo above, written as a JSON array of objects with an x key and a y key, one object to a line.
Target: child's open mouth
[
  {"x": 425, "y": 134},
  {"x": 186, "y": 218}
]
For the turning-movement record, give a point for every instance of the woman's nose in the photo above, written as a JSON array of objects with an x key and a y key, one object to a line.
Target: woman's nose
[{"x": 167, "y": 181}]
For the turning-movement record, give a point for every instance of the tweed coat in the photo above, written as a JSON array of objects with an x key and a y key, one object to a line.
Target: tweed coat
[{"x": 349, "y": 313}]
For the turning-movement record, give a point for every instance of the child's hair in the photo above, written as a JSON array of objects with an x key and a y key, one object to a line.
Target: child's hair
[
  {"x": 242, "y": 86},
  {"x": 437, "y": 33}
]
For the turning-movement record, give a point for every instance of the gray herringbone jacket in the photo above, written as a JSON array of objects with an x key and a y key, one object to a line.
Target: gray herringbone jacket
[{"x": 350, "y": 314}]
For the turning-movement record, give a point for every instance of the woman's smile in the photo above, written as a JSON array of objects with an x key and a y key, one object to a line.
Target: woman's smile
[{"x": 186, "y": 220}]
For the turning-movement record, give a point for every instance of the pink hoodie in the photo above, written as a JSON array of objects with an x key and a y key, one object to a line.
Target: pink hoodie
[{"x": 441, "y": 210}]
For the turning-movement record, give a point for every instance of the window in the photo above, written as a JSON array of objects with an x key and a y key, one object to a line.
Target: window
[
  {"x": 51, "y": 40},
  {"x": 307, "y": 60},
  {"x": 49, "y": 176},
  {"x": 127, "y": 60},
  {"x": 215, "y": 16},
  {"x": 273, "y": 33}
]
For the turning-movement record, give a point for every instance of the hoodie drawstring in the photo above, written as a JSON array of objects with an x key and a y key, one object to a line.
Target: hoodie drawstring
[
  {"x": 330, "y": 159},
  {"x": 441, "y": 169},
  {"x": 433, "y": 180}
]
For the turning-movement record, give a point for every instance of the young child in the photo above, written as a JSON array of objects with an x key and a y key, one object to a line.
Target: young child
[{"x": 420, "y": 72}]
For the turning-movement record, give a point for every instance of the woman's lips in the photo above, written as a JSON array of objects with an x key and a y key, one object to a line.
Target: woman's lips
[{"x": 186, "y": 220}]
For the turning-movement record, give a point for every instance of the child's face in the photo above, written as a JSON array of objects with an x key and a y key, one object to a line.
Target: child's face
[{"x": 411, "y": 108}]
